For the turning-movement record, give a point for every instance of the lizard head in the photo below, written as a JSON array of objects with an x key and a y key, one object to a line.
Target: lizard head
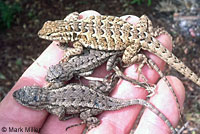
[
  {"x": 57, "y": 73},
  {"x": 29, "y": 96},
  {"x": 53, "y": 30}
]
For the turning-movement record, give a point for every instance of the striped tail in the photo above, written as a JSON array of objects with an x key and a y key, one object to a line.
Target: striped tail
[{"x": 158, "y": 49}]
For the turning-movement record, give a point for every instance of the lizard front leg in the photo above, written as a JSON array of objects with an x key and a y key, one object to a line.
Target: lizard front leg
[
  {"x": 59, "y": 111},
  {"x": 78, "y": 49}
]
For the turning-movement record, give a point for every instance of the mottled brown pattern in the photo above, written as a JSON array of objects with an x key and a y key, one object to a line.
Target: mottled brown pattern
[
  {"x": 78, "y": 100},
  {"x": 112, "y": 33}
]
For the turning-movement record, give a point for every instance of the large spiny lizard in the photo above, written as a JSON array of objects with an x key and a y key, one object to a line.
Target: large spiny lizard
[
  {"x": 78, "y": 100},
  {"x": 112, "y": 33}
]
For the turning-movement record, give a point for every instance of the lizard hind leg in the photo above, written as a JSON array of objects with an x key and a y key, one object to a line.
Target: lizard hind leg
[
  {"x": 130, "y": 56},
  {"x": 142, "y": 59},
  {"x": 130, "y": 52},
  {"x": 139, "y": 58}
]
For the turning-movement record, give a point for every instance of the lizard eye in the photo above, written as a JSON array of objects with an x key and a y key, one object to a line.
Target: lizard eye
[{"x": 48, "y": 34}]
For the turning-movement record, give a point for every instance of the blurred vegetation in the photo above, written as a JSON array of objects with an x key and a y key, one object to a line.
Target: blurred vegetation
[
  {"x": 7, "y": 13},
  {"x": 139, "y": 2}
]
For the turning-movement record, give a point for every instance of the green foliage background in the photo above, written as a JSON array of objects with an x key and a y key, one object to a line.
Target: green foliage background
[{"x": 7, "y": 13}]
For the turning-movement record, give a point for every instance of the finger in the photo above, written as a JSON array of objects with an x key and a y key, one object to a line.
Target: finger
[
  {"x": 165, "y": 102},
  {"x": 121, "y": 121},
  {"x": 52, "y": 124},
  {"x": 16, "y": 115},
  {"x": 88, "y": 13}
]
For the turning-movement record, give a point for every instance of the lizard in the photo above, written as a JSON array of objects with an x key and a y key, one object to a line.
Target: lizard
[
  {"x": 78, "y": 100},
  {"x": 80, "y": 65},
  {"x": 84, "y": 65},
  {"x": 112, "y": 33}
]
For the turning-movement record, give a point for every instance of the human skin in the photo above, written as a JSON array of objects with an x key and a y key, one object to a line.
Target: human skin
[{"x": 121, "y": 121}]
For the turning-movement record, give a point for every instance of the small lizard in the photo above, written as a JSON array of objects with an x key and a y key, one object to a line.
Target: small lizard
[
  {"x": 112, "y": 33},
  {"x": 84, "y": 65},
  {"x": 80, "y": 65},
  {"x": 78, "y": 100}
]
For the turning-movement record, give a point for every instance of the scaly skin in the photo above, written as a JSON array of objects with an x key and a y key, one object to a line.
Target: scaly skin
[
  {"x": 77, "y": 100},
  {"x": 80, "y": 65},
  {"x": 112, "y": 33}
]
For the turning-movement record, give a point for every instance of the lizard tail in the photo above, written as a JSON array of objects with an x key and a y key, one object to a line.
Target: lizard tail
[
  {"x": 158, "y": 49},
  {"x": 118, "y": 104}
]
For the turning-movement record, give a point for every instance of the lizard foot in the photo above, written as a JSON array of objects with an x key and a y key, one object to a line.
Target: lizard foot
[
  {"x": 144, "y": 60},
  {"x": 145, "y": 85},
  {"x": 151, "y": 90}
]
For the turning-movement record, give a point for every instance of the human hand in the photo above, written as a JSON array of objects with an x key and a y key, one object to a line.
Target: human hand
[{"x": 15, "y": 115}]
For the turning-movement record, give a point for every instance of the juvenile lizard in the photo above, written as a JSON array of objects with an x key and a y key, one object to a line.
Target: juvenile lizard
[
  {"x": 84, "y": 65},
  {"x": 80, "y": 65},
  {"x": 112, "y": 33},
  {"x": 78, "y": 100}
]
